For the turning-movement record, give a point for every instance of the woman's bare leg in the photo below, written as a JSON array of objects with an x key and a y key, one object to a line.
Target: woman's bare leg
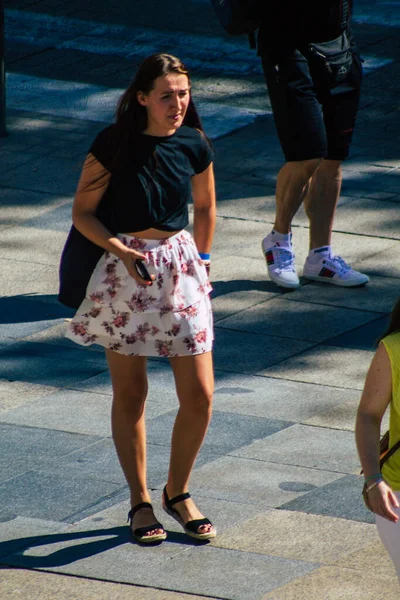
[
  {"x": 129, "y": 381},
  {"x": 194, "y": 380}
]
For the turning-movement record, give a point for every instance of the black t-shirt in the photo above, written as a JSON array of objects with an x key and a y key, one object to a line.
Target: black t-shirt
[
  {"x": 292, "y": 23},
  {"x": 151, "y": 186}
]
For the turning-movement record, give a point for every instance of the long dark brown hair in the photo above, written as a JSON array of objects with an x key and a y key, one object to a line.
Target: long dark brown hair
[
  {"x": 130, "y": 113},
  {"x": 131, "y": 116},
  {"x": 394, "y": 323}
]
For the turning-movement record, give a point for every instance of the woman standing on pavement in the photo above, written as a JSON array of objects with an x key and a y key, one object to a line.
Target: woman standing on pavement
[
  {"x": 149, "y": 293},
  {"x": 382, "y": 387}
]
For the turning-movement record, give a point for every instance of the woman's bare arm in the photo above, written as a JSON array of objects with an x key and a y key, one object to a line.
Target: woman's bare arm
[
  {"x": 374, "y": 401},
  {"x": 203, "y": 191}
]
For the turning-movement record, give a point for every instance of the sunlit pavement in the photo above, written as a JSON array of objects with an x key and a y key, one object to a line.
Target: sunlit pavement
[{"x": 278, "y": 473}]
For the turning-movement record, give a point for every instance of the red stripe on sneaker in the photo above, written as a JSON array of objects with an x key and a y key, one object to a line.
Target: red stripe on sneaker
[
  {"x": 270, "y": 257},
  {"x": 324, "y": 272}
]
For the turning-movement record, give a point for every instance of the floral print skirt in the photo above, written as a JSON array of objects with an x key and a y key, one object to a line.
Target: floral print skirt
[{"x": 172, "y": 317}]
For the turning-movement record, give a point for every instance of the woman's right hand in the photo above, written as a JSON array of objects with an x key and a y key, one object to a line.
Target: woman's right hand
[
  {"x": 129, "y": 258},
  {"x": 382, "y": 499}
]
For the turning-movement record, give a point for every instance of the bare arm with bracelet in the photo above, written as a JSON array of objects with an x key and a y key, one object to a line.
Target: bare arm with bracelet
[{"x": 374, "y": 401}]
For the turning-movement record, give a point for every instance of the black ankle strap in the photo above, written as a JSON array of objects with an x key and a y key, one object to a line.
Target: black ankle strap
[
  {"x": 176, "y": 499},
  {"x": 135, "y": 509}
]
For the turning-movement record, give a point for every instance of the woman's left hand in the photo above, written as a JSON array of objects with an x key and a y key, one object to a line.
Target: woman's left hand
[{"x": 382, "y": 499}]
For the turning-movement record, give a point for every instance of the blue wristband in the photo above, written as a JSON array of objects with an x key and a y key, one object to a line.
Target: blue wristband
[{"x": 204, "y": 256}]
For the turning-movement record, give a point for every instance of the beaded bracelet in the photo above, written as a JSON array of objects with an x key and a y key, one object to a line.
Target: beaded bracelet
[{"x": 376, "y": 476}]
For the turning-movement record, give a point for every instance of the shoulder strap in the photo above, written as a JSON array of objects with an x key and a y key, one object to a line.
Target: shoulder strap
[
  {"x": 345, "y": 15},
  {"x": 389, "y": 453}
]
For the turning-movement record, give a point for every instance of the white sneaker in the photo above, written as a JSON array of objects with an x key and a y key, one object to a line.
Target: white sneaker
[
  {"x": 333, "y": 269},
  {"x": 280, "y": 263}
]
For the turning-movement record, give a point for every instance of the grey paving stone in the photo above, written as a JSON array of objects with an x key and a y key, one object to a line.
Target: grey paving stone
[
  {"x": 21, "y": 278},
  {"x": 228, "y": 573},
  {"x": 364, "y": 337},
  {"x": 58, "y": 219},
  {"x": 39, "y": 246},
  {"x": 66, "y": 410},
  {"x": 379, "y": 295},
  {"x": 384, "y": 263},
  {"x": 49, "y": 365},
  {"x": 21, "y": 532},
  {"x": 370, "y": 217},
  {"x": 321, "y": 366},
  {"x": 40, "y": 495},
  {"x": 25, "y": 448},
  {"x": 298, "y": 320},
  {"x": 340, "y": 498},
  {"x": 240, "y": 352},
  {"x": 16, "y": 393},
  {"x": 22, "y": 317},
  {"x": 99, "y": 461},
  {"x": 17, "y": 206},
  {"x": 219, "y": 439},
  {"x": 98, "y": 550},
  {"x": 35, "y": 175},
  {"x": 305, "y": 446},
  {"x": 246, "y": 480},
  {"x": 277, "y": 398}
]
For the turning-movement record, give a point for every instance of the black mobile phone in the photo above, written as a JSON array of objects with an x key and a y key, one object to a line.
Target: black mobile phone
[{"x": 142, "y": 270}]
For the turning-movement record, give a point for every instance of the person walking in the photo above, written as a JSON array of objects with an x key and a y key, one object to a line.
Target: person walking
[
  {"x": 313, "y": 74},
  {"x": 149, "y": 293},
  {"x": 382, "y": 389}
]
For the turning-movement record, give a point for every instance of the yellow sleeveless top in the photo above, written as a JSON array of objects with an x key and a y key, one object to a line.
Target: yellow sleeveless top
[{"x": 391, "y": 469}]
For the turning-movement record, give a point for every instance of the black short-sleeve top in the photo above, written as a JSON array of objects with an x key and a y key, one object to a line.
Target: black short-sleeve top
[{"x": 151, "y": 187}]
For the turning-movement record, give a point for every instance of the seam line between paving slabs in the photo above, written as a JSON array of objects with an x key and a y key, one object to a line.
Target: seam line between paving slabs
[
  {"x": 335, "y": 387},
  {"x": 367, "y": 235},
  {"x": 120, "y": 583},
  {"x": 327, "y": 385},
  {"x": 281, "y": 337},
  {"x": 292, "y": 464}
]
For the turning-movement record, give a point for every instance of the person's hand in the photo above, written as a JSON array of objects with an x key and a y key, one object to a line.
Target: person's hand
[
  {"x": 207, "y": 265},
  {"x": 129, "y": 259},
  {"x": 382, "y": 501}
]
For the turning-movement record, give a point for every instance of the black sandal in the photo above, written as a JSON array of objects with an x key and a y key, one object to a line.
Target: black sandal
[
  {"x": 139, "y": 534},
  {"x": 190, "y": 527}
]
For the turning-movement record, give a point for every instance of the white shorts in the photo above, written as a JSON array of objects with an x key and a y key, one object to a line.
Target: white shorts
[
  {"x": 172, "y": 317},
  {"x": 389, "y": 533}
]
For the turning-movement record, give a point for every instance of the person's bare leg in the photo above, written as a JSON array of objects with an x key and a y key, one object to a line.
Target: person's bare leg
[
  {"x": 291, "y": 180},
  {"x": 129, "y": 381},
  {"x": 321, "y": 200},
  {"x": 194, "y": 380}
]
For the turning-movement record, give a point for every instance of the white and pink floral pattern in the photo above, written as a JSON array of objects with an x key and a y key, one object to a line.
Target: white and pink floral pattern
[{"x": 172, "y": 317}]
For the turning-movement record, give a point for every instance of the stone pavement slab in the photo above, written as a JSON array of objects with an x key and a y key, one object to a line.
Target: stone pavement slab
[
  {"x": 340, "y": 498},
  {"x": 311, "y": 538},
  {"x": 322, "y": 365},
  {"x": 286, "y": 483},
  {"x": 278, "y": 472},
  {"x": 338, "y": 584},
  {"x": 38, "y": 584},
  {"x": 306, "y": 446},
  {"x": 296, "y": 320}
]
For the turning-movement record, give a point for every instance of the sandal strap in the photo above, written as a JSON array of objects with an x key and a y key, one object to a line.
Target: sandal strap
[
  {"x": 136, "y": 508},
  {"x": 170, "y": 502},
  {"x": 196, "y": 523},
  {"x": 141, "y": 531},
  {"x": 176, "y": 499}
]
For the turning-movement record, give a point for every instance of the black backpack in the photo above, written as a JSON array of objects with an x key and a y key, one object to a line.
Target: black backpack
[{"x": 239, "y": 17}]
